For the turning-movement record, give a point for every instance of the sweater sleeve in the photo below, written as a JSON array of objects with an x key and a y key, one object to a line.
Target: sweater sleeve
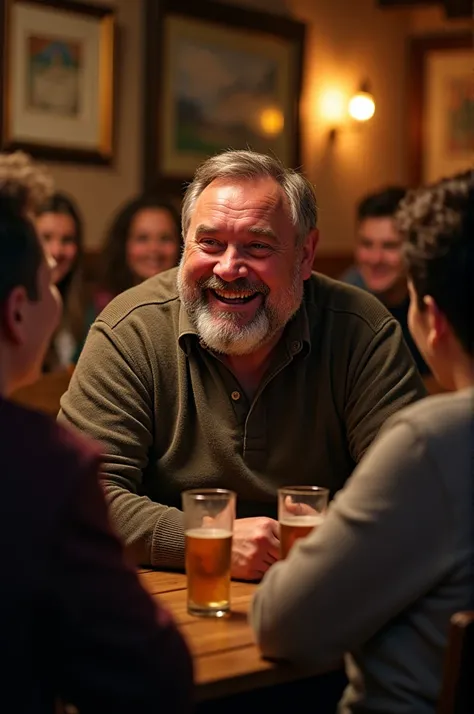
[
  {"x": 110, "y": 398},
  {"x": 117, "y": 649},
  {"x": 387, "y": 532},
  {"x": 382, "y": 378}
]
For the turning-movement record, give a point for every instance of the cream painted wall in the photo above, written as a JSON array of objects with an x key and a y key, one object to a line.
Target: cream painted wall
[
  {"x": 99, "y": 190},
  {"x": 344, "y": 46}
]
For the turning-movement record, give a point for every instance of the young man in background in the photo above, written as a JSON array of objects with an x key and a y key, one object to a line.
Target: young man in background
[{"x": 379, "y": 265}]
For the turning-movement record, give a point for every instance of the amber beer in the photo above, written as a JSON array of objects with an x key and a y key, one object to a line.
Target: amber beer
[
  {"x": 208, "y": 558},
  {"x": 294, "y": 527}
]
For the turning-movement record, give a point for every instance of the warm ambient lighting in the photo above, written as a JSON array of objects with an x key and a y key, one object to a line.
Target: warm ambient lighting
[
  {"x": 333, "y": 106},
  {"x": 362, "y": 106},
  {"x": 343, "y": 115},
  {"x": 272, "y": 121}
]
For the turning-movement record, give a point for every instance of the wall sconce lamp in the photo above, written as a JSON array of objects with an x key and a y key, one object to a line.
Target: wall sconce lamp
[
  {"x": 361, "y": 108},
  {"x": 362, "y": 105}
]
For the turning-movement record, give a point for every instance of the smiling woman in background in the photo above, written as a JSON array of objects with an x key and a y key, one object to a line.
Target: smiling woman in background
[
  {"x": 143, "y": 240},
  {"x": 59, "y": 227}
]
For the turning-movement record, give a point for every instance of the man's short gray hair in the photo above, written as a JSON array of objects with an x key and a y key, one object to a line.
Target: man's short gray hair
[{"x": 249, "y": 165}]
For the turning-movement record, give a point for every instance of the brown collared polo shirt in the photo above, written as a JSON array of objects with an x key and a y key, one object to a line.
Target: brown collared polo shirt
[{"x": 170, "y": 415}]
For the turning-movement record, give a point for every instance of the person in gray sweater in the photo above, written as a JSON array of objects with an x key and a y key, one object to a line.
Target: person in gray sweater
[{"x": 393, "y": 560}]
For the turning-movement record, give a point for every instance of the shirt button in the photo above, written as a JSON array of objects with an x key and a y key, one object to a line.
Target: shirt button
[
  {"x": 295, "y": 346},
  {"x": 235, "y": 396}
]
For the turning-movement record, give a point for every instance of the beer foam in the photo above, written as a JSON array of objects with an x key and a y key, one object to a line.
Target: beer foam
[
  {"x": 305, "y": 521},
  {"x": 208, "y": 533}
]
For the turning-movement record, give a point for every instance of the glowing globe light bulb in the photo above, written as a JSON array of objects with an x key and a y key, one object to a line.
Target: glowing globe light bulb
[{"x": 362, "y": 106}]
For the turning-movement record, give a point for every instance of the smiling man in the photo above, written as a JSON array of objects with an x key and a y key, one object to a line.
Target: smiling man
[{"x": 242, "y": 369}]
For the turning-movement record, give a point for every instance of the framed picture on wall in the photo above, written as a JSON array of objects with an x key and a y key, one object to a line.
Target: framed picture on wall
[
  {"x": 217, "y": 77},
  {"x": 56, "y": 79},
  {"x": 441, "y": 106}
]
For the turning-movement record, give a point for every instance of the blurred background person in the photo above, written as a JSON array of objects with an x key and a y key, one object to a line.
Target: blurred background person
[
  {"x": 60, "y": 229},
  {"x": 144, "y": 238},
  {"x": 379, "y": 263}
]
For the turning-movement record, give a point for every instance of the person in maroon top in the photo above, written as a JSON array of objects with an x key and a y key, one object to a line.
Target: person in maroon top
[{"x": 76, "y": 625}]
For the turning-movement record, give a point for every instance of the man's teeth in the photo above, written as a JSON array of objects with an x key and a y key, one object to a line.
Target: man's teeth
[{"x": 233, "y": 295}]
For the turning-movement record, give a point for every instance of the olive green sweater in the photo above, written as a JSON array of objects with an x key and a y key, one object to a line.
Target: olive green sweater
[{"x": 170, "y": 416}]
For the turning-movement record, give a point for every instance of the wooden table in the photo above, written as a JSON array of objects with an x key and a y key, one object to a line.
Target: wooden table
[
  {"x": 45, "y": 394},
  {"x": 226, "y": 660}
]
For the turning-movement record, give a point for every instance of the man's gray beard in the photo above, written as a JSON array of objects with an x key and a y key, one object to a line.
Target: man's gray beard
[{"x": 219, "y": 334}]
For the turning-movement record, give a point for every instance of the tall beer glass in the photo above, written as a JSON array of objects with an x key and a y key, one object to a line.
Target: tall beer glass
[
  {"x": 300, "y": 509},
  {"x": 208, "y": 523}
]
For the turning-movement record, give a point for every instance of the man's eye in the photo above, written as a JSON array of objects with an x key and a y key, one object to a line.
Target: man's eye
[{"x": 260, "y": 247}]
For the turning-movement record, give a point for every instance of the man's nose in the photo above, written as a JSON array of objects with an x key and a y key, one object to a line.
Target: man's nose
[
  {"x": 376, "y": 256},
  {"x": 156, "y": 247},
  {"x": 231, "y": 265}
]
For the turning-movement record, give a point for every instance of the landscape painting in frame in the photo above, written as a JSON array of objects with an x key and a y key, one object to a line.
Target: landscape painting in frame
[
  {"x": 223, "y": 89},
  {"x": 57, "y": 77},
  {"x": 449, "y": 114},
  {"x": 54, "y": 74}
]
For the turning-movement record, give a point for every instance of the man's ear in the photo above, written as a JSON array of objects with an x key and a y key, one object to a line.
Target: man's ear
[
  {"x": 438, "y": 326},
  {"x": 14, "y": 315},
  {"x": 309, "y": 251}
]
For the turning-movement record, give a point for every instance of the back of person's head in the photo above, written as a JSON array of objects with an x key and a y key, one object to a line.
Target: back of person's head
[
  {"x": 382, "y": 204},
  {"x": 438, "y": 224},
  {"x": 117, "y": 274},
  {"x": 23, "y": 188},
  {"x": 29, "y": 305},
  {"x": 248, "y": 166}
]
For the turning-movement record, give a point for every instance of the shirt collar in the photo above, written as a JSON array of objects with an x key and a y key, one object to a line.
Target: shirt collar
[{"x": 186, "y": 330}]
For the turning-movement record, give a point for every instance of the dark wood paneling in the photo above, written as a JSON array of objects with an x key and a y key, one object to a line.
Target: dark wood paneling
[
  {"x": 333, "y": 264},
  {"x": 452, "y": 8}
]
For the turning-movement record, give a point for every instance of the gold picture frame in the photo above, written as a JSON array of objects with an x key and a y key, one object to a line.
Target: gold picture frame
[{"x": 57, "y": 80}]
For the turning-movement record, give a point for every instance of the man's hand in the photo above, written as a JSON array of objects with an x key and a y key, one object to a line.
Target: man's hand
[
  {"x": 255, "y": 546},
  {"x": 300, "y": 509}
]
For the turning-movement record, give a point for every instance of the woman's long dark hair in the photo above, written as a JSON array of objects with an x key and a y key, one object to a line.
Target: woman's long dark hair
[
  {"x": 116, "y": 274},
  {"x": 72, "y": 287}
]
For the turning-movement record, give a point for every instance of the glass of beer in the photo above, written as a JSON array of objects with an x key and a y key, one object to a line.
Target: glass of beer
[
  {"x": 300, "y": 509},
  {"x": 208, "y": 523}
]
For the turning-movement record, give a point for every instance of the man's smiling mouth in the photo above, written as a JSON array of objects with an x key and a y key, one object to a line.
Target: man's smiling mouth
[{"x": 235, "y": 297}]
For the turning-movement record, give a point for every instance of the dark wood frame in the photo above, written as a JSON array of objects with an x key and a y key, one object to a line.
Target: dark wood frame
[
  {"x": 104, "y": 153},
  {"x": 406, "y": 3},
  {"x": 235, "y": 17},
  {"x": 452, "y": 8},
  {"x": 419, "y": 48}
]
